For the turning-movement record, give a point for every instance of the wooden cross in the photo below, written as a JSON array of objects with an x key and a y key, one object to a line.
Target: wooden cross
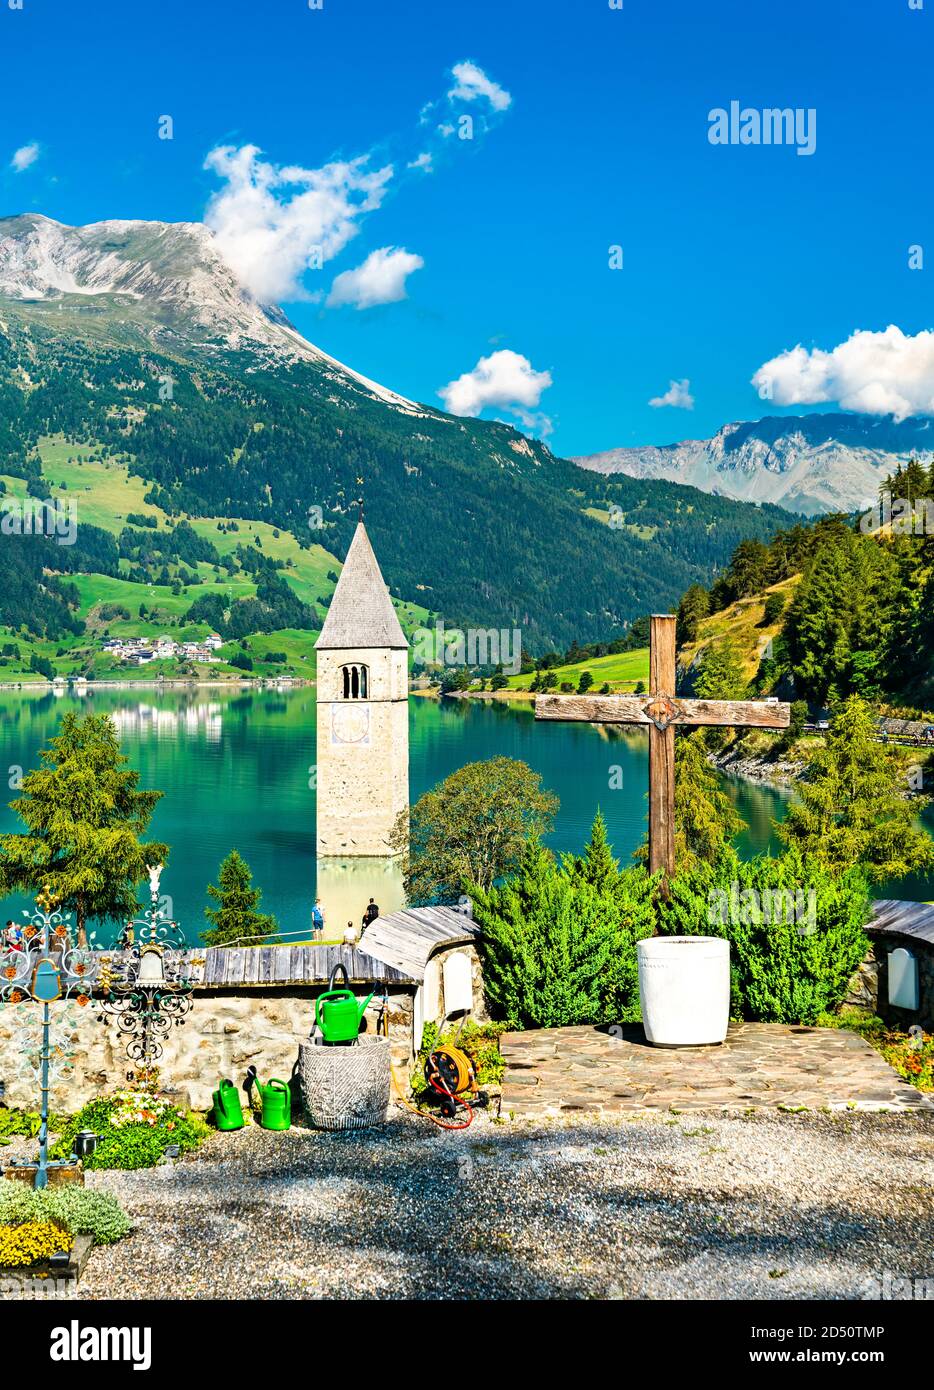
[{"x": 661, "y": 712}]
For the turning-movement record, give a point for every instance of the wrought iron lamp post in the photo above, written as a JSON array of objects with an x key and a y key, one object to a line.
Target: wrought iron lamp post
[
  {"x": 145, "y": 990},
  {"x": 42, "y": 968}
]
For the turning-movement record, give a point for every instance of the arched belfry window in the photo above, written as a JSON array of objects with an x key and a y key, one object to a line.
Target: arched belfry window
[{"x": 355, "y": 681}]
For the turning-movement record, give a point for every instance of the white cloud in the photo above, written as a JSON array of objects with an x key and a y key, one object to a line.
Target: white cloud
[
  {"x": 272, "y": 223},
  {"x": 678, "y": 394},
  {"x": 24, "y": 156},
  {"x": 472, "y": 83},
  {"x": 890, "y": 373},
  {"x": 379, "y": 280},
  {"x": 505, "y": 379}
]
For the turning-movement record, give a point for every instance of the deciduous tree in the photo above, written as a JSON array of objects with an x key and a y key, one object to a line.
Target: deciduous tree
[{"x": 471, "y": 828}]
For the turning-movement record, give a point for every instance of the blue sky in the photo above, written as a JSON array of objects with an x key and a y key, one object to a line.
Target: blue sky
[{"x": 596, "y": 135}]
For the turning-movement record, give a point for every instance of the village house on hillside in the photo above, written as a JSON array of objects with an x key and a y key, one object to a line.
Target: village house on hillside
[{"x": 140, "y": 650}]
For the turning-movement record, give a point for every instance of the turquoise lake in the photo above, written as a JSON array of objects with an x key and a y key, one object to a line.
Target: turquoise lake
[{"x": 237, "y": 770}]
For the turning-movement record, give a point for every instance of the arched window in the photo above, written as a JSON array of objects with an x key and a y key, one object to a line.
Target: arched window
[{"x": 355, "y": 680}]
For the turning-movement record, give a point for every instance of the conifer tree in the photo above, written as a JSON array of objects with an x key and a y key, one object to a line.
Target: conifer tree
[
  {"x": 84, "y": 816},
  {"x": 557, "y": 950},
  {"x": 852, "y": 809},
  {"x": 693, "y": 608},
  {"x": 721, "y": 676},
  {"x": 236, "y": 918},
  {"x": 841, "y": 618},
  {"x": 597, "y": 865},
  {"x": 706, "y": 820}
]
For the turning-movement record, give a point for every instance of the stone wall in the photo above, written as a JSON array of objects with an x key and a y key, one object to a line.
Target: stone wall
[
  {"x": 862, "y": 992},
  {"x": 228, "y": 1030},
  {"x": 362, "y": 753},
  {"x": 224, "y": 1034}
]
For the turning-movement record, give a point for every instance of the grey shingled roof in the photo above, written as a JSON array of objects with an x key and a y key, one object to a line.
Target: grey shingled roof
[
  {"x": 361, "y": 612},
  {"x": 405, "y": 940},
  {"x": 237, "y": 967},
  {"x": 897, "y": 918}
]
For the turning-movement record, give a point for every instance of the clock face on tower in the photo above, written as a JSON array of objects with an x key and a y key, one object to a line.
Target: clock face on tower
[{"x": 350, "y": 723}]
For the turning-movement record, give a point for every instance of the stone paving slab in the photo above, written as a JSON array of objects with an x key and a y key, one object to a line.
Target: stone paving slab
[{"x": 561, "y": 1071}]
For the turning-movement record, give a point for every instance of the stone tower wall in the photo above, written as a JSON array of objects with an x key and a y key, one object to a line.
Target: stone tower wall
[{"x": 362, "y": 752}]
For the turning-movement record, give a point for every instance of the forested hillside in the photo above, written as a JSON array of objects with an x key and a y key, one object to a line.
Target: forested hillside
[
  {"x": 469, "y": 518},
  {"x": 859, "y": 617}
]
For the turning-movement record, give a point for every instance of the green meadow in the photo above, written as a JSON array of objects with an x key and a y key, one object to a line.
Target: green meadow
[
  {"x": 106, "y": 491},
  {"x": 621, "y": 671}
]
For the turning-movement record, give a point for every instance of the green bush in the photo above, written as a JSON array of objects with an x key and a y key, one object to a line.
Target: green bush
[
  {"x": 559, "y": 941},
  {"x": 25, "y": 1123},
  {"x": 16, "y": 1123},
  {"x": 80, "y": 1209},
  {"x": 791, "y": 957},
  {"x": 135, "y": 1128}
]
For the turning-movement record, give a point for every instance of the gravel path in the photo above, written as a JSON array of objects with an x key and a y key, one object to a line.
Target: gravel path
[{"x": 678, "y": 1206}]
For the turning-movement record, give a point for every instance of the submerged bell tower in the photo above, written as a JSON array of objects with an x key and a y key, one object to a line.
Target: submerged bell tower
[{"x": 363, "y": 712}]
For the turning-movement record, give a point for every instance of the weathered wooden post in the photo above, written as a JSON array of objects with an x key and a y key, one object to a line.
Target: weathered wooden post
[{"x": 661, "y": 711}]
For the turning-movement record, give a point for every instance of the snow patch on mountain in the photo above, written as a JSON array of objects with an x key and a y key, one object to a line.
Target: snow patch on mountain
[
  {"x": 178, "y": 282},
  {"x": 808, "y": 464}
]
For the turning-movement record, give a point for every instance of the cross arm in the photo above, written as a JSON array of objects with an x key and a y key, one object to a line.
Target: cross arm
[{"x": 663, "y": 711}]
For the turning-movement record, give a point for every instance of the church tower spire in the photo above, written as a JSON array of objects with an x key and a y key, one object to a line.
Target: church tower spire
[
  {"x": 362, "y": 708},
  {"x": 361, "y": 612}
]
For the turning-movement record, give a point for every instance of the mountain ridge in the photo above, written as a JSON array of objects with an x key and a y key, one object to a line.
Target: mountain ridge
[
  {"x": 174, "y": 372},
  {"x": 806, "y": 463},
  {"x": 56, "y": 262}
]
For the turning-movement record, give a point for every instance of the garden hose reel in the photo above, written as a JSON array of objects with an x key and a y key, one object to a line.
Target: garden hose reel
[{"x": 451, "y": 1078}]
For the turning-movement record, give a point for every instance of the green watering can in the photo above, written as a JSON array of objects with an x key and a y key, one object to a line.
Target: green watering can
[
  {"x": 337, "y": 1012},
  {"x": 275, "y": 1100},
  {"x": 228, "y": 1112}
]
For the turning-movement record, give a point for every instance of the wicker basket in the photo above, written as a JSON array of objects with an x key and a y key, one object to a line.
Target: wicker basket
[{"x": 346, "y": 1087}]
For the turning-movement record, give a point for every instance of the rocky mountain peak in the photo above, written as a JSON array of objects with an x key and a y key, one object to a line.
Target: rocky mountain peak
[{"x": 165, "y": 281}]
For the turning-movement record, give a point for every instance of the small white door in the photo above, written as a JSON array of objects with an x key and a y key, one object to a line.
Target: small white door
[
  {"x": 458, "y": 984},
  {"x": 903, "y": 979}
]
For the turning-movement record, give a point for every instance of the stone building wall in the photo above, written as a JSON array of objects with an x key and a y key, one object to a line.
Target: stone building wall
[{"x": 362, "y": 753}]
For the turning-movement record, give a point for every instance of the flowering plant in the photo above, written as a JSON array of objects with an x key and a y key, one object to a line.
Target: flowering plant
[
  {"x": 32, "y": 1241},
  {"x": 134, "y": 1107},
  {"x": 136, "y": 1126}
]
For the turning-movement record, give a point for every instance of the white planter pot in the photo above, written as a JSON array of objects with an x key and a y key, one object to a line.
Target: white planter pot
[{"x": 684, "y": 986}]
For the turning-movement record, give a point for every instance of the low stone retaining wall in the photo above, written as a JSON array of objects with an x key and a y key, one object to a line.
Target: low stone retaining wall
[
  {"x": 223, "y": 1035},
  {"x": 255, "y": 1006}
]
